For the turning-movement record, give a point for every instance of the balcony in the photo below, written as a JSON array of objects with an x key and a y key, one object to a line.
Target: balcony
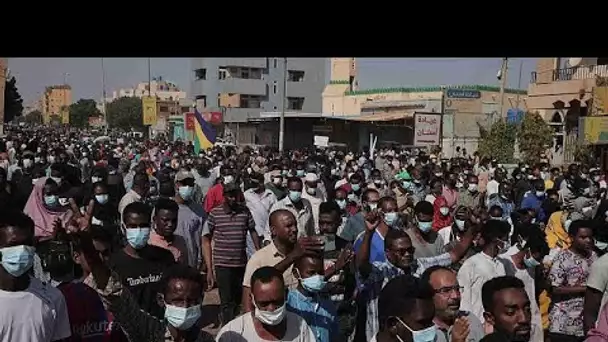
[{"x": 584, "y": 72}]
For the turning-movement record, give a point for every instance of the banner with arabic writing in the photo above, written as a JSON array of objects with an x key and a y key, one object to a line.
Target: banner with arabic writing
[{"x": 427, "y": 129}]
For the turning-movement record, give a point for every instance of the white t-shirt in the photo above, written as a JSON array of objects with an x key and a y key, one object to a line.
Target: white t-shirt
[
  {"x": 241, "y": 329},
  {"x": 38, "y": 314}
]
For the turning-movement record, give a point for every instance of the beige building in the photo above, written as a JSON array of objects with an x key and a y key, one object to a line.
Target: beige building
[
  {"x": 54, "y": 99},
  {"x": 562, "y": 90},
  {"x": 465, "y": 107}
]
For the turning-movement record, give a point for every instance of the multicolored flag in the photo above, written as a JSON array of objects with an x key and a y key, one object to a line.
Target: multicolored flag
[{"x": 204, "y": 133}]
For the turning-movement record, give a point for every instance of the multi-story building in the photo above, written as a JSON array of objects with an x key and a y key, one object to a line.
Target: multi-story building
[
  {"x": 243, "y": 88},
  {"x": 464, "y": 107},
  {"x": 563, "y": 90},
  {"x": 55, "y": 99}
]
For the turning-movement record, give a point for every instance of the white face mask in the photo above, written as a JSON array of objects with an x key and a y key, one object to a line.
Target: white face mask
[
  {"x": 228, "y": 179},
  {"x": 270, "y": 317},
  {"x": 444, "y": 211}
]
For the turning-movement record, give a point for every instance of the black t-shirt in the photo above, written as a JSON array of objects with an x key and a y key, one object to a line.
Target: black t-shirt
[{"x": 142, "y": 276}]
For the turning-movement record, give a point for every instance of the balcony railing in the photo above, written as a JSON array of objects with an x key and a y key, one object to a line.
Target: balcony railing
[{"x": 583, "y": 72}]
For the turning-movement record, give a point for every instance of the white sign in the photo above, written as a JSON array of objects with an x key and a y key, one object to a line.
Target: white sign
[
  {"x": 321, "y": 141},
  {"x": 427, "y": 129}
]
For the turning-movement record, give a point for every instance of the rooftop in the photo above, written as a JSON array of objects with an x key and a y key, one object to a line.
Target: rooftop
[{"x": 479, "y": 87}]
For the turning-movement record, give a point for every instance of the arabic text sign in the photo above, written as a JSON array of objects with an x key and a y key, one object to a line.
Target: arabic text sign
[
  {"x": 427, "y": 129},
  {"x": 463, "y": 94},
  {"x": 594, "y": 129}
]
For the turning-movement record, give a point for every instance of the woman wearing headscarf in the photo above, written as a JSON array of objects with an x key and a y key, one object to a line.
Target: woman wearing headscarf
[
  {"x": 45, "y": 209},
  {"x": 441, "y": 214}
]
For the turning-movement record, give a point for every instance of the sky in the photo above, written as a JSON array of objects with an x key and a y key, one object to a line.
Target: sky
[{"x": 85, "y": 76}]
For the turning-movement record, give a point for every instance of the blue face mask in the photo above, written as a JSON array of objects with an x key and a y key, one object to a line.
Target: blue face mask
[
  {"x": 390, "y": 218},
  {"x": 137, "y": 237},
  {"x": 314, "y": 283},
  {"x": 356, "y": 187},
  {"x": 295, "y": 196},
  {"x": 185, "y": 192},
  {"x": 531, "y": 262},
  {"x": 425, "y": 227},
  {"x": 182, "y": 318},
  {"x": 51, "y": 200},
  {"x": 102, "y": 199},
  {"x": 17, "y": 260},
  {"x": 424, "y": 335},
  {"x": 300, "y": 173},
  {"x": 407, "y": 185},
  {"x": 341, "y": 204}
]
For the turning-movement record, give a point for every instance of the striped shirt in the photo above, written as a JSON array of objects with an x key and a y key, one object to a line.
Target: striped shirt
[{"x": 229, "y": 233}]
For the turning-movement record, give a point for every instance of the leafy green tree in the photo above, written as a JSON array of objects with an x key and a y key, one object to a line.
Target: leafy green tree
[
  {"x": 34, "y": 117},
  {"x": 534, "y": 136},
  {"x": 582, "y": 152},
  {"x": 499, "y": 142},
  {"x": 55, "y": 120},
  {"x": 81, "y": 111},
  {"x": 125, "y": 113},
  {"x": 13, "y": 103}
]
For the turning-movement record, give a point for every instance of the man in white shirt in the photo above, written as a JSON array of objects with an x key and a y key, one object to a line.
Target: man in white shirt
[
  {"x": 483, "y": 266},
  {"x": 314, "y": 195},
  {"x": 32, "y": 311},
  {"x": 258, "y": 200},
  {"x": 270, "y": 320},
  {"x": 299, "y": 207}
]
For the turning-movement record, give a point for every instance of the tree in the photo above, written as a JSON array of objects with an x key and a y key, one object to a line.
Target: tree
[
  {"x": 582, "y": 152},
  {"x": 125, "y": 113},
  {"x": 81, "y": 111},
  {"x": 534, "y": 136},
  {"x": 499, "y": 142},
  {"x": 13, "y": 103},
  {"x": 34, "y": 117}
]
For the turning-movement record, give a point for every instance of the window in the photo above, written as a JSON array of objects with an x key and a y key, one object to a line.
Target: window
[
  {"x": 251, "y": 101},
  {"x": 200, "y": 74},
  {"x": 221, "y": 73},
  {"x": 274, "y": 88},
  {"x": 163, "y": 109},
  {"x": 295, "y": 103},
  {"x": 245, "y": 73},
  {"x": 275, "y": 63},
  {"x": 295, "y": 76},
  {"x": 219, "y": 100}
]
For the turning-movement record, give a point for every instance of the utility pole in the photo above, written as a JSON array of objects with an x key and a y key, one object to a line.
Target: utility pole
[
  {"x": 503, "y": 83},
  {"x": 521, "y": 65},
  {"x": 282, "y": 118},
  {"x": 103, "y": 96}
]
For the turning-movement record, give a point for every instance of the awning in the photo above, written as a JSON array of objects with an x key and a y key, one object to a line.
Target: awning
[{"x": 381, "y": 117}]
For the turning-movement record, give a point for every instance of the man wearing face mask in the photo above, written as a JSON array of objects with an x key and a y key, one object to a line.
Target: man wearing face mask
[
  {"x": 138, "y": 192},
  {"x": 190, "y": 217},
  {"x": 405, "y": 312},
  {"x": 471, "y": 197},
  {"x": 270, "y": 320},
  {"x": 215, "y": 196},
  {"x": 300, "y": 207},
  {"x": 308, "y": 302},
  {"x": 276, "y": 184},
  {"x": 426, "y": 241},
  {"x": 526, "y": 265},
  {"x": 179, "y": 295},
  {"x": 507, "y": 309},
  {"x": 23, "y": 295},
  {"x": 258, "y": 200},
  {"x": 534, "y": 200},
  {"x": 314, "y": 195},
  {"x": 138, "y": 264},
  {"x": 484, "y": 265}
]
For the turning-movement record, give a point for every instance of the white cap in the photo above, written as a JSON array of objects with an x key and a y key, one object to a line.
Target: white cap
[{"x": 311, "y": 177}]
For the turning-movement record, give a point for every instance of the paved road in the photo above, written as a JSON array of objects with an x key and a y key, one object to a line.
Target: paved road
[{"x": 211, "y": 312}]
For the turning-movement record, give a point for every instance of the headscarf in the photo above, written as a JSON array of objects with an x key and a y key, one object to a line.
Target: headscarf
[
  {"x": 440, "y": 221},
  {"x": 42, "y": 216}
]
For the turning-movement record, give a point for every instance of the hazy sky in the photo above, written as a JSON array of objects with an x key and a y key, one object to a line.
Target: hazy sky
[{"x": 84, "y": 74}]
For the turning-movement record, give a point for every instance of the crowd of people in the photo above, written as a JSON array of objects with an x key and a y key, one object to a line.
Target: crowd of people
[{"x": 119, "y": 239}]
